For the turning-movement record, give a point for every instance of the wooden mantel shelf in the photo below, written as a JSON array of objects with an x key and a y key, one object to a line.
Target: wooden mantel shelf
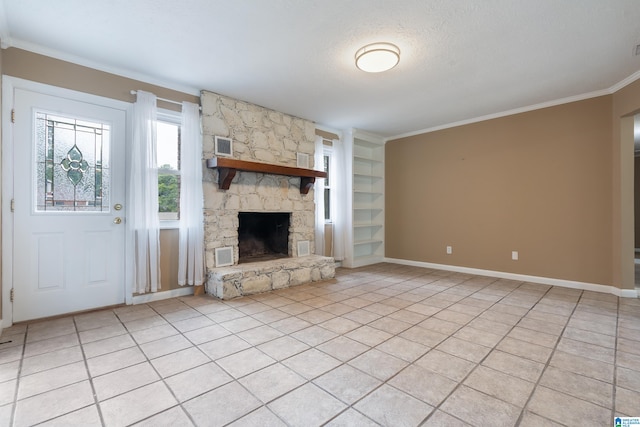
[{"x": 227, "y": 169}]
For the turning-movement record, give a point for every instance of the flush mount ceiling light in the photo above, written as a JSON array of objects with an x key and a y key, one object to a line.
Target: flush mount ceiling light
[{"x": 377, "y": 57}]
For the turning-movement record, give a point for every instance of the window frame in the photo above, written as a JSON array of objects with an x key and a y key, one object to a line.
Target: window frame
[
  {"x": 175, "y": 118},
  {"x": 327, "y": 153}
]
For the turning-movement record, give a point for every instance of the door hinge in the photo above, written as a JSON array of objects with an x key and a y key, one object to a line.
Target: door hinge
[
  {"x": 11, "y": 295},
  {"x": 13, "y": 115},
  {"x": 13, "y": 205}
]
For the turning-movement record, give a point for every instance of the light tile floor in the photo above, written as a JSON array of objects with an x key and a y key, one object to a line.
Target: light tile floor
[{"x": 382, "y": 345}]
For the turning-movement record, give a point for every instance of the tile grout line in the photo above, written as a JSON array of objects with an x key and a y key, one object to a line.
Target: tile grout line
[
  {"x": 460, "y": 383},
  {"x": 233, "y": 379},
  {"x": 351, "y": 405},
  {"x": 76, "y": 332},
  {"x": 385, "y": 382},
  {"x": 14, "y": 411},
  {"x": 615, "y": 363},
  {"x": 553, "y": 351},
  {"x": 237, "y": 380},
  {"x": 179, "y": 403},
  {"x": 90, "y": 377},
  {"x": 310, "y": 381}
]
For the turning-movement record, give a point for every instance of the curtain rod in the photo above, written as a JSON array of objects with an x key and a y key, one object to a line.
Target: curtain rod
[{"x": 135, "y": 92}]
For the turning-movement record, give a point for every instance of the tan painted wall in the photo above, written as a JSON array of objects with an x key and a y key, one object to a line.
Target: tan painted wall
[
  {"x": 1, "y": 71},
  {"x": 537, "y": 182},
  {"x": 327, "y": 135},
  {"x": 626, "y": 102},
  {"x": 636, "y": 200},
  {"x": 169, "y": 259},
  {"x": 43, "y": 69}
]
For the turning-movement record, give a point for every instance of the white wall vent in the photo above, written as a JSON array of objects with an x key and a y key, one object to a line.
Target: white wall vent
[
  {"x": 224, "y": 256},
  {"x": 303, "y": 248},
  {"x": 223, "y": 146},
  {"x": 303, "y": 160}
]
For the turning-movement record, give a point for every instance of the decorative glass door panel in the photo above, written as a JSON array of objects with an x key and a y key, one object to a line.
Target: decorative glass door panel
[{"x": 72, "y": 164}]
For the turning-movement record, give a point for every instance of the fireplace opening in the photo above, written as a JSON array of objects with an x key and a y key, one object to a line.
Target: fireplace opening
[{"x": 263, "y": 236}]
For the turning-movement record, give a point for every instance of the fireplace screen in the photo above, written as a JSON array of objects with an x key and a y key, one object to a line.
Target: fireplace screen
[{"x": 263, "y": 236}]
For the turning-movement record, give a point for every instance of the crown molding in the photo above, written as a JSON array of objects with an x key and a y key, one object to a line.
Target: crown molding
[
  {"x": 609, "y": 91},
  {"x": 623, "y": 83},
  {"x": 121, "y": 72},
  {"x": 507, "y": 113}
]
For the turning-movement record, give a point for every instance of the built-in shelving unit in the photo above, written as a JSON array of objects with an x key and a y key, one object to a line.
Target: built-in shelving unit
[{"x": 365, "y": 167}]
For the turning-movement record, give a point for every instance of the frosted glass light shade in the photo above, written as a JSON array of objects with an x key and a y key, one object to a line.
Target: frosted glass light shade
[{"x": 377, "y": 57}]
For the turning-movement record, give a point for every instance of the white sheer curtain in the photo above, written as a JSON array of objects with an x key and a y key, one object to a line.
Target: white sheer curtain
[
  {"x": 319, "y": 197},
  {"x": 337, "y": 180},
  {"x": 143, "y": 196},
  {"x": 191, "y": 244}
]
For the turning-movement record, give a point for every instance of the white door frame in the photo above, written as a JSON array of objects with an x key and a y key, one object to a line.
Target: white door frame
[{"x": 9, "y": 84}]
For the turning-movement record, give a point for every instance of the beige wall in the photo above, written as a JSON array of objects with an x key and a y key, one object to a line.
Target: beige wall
[
  {"x": 169, "y": 259},
  {"x": 537, "y": 182},
  {"x": 42, "y": 69},
  {"x": 327, "y": 135},
  {"x": 626, "y": 102},
  {"x": 636, "y": 200},
  {"x": 1, "y": 71}
]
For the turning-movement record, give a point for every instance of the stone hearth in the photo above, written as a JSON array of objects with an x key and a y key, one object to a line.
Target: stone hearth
[
  {"x": 255, "y": 277},
  {"x": 266, "y": 136}
]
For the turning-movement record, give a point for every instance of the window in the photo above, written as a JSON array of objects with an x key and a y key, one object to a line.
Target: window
[
  {"x": 168, "y": 158},
  {"x": 327, "y": 186}
]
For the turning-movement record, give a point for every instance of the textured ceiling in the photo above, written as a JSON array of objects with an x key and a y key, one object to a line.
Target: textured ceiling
[{"x": 461, "y": 59}]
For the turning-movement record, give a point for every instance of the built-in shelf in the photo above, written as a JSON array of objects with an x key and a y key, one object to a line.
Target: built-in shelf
[
  {"x": 366, "y": 225},
  {"x": 366, "y": 175},
  {"x": 227, "y": 169},
  {"x": 365, "y": 166},
  {"x": 366, "y": 159},
  {"x": 367, "y": 242},
  {"x": 371, "y": 193},
  {"x": 366, "y": 208}
]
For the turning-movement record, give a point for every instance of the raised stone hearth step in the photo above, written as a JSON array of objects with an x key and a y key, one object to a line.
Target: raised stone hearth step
[{"x": 256, "y": 277}]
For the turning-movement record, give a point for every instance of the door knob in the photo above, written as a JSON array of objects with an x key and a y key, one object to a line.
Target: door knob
[{"x": 117, "y": 220}]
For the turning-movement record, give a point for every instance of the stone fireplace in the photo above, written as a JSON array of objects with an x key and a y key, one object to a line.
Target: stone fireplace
[{"x": 270, "y": 137}]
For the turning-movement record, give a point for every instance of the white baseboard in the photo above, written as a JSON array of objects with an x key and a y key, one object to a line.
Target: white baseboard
[
  {"x": 157, "y": 296},
  {"x": 625, "y": 293}
]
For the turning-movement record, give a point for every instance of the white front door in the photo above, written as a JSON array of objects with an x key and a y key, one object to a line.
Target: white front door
[{"x": 69, "y": 192}]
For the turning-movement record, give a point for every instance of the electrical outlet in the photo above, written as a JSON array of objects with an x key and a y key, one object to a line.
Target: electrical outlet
[
  {"x": 514, "y": 255},
  {"x": 449, "y": 250}
]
